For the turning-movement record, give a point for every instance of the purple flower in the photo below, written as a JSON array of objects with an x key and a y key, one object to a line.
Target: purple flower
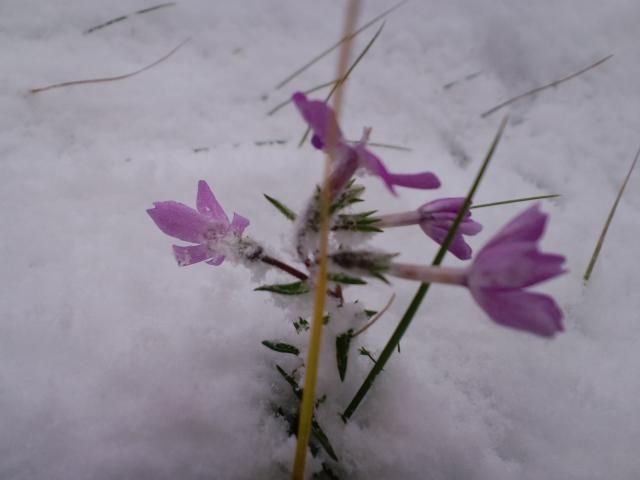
[
  {"x": 436, "y": 218},
  {"x": 349, "y": 158},
  {"x": 208, "y": 227},
  {"x": 508, "y": 264},
  {"x": 500, "y": 273}
]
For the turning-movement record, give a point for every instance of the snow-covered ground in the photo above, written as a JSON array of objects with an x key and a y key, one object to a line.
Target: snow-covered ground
[{"x": 117, "y": 364}]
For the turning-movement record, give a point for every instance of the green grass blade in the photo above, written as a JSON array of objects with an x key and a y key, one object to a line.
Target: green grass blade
[
  {"x": 317, "y": 432},
  {"x": 295, "y": 288},
  {"x": 605, "y": 228},
  {"x": 323, "y": 54},
  {"x": 553, "y": 84},
  {"x": 387, "y": 145},
  {"x": 516, "y": 200},
  {"x": 400, "y": 330},
  {"x": 343, "y": 342},
  {"x": 282, "y": 208},
  {"x": 346, "y": 76},
  {"x": 281, "y": 105},
  {"x": 346, "y": 279}
]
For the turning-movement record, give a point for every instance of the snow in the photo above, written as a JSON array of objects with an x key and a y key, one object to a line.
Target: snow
[{"x": 115, "y": 363}]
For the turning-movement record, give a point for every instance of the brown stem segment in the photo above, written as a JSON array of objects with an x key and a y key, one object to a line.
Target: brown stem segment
[
  {"x": 284, "y": 267},
  {"x": 274, "y": 262}
]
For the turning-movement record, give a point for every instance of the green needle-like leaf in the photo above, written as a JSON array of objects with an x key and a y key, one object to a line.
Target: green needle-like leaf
[
  {"x": 281, "y": 347},
  {"x": 317, "y": 432},
  {"x": 343, "y": 342},
  {"x": 282, "y": 208},
  {"x": 346, "y": 279},
  {"x": 295, "y": 288},
  {"x": 400, "y": 330}
]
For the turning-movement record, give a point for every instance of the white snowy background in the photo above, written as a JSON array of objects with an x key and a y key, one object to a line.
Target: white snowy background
[{"x": 117, "y": 364}]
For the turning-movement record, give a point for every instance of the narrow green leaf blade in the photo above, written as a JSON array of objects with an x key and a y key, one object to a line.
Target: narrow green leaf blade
[
  {"x": 336, "y": 45},
  {"x": 295, "y": 288},
  {"x": 607, "y": 223},
  {"x": 281, "y": 347},
  {"x": 322, "y": 439},
  {"x": 282, "y": 208},
  {"x": 404, "y": 323},
  {"x": 346, "y": 279},
  {"x": 317, "y": 432},
  {"x": 516, "y": 200},
  {"x": 297, "y": 391},
  {"x": 343, "y": 342}
]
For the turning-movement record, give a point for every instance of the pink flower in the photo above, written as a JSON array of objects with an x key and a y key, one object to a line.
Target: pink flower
[
  {"x": 436, "y": 218},
  {"x": 349, "y": 158},
  {"x": 508, "y": 264},
  {"x": 208, "y": 227},
  {"x": 501, "y": 271}
]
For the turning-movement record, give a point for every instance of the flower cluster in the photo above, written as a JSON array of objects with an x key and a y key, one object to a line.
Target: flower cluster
[
  {"x": 496, "y": 278},
  {"x": 501, "y": 270}
]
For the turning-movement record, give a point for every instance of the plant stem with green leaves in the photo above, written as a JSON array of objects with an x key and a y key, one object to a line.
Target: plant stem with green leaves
[{"x": 402, "y": 327}]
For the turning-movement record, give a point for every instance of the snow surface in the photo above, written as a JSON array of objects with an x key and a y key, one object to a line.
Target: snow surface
[{"x": 117, "y": 364}]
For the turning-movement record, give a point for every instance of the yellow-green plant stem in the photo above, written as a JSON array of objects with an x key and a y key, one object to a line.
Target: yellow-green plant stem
[
  {"x": 315, "y": 340},
  {"x": 344, "y": 77}
]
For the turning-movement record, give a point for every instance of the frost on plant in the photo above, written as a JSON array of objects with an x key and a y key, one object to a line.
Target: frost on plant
[{"x": 498, "y": 276}]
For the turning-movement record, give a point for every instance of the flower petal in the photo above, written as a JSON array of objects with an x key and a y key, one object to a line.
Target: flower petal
[
  {"x": 446, "y": 220},
  {"x": 532, "y": 312},
  {"x": 458, "y": 247},
  {"x": 207, "y": 204},
  {"x": 239, "y": 223},
  {"x": 317, "y": 142},
  {"x": 374, "y": 166},
  {"x": 528, "y": 226},
  {"x": 424, "y": 180},
  {"x": 319, "y": 116},
  {"x": 513, "y": 265},
  {"x": 470, "y": 227},
  {"x": 179, "y": 221},
  {"x": 191, "y": 254},
  {"x": 451, "y": 204}
]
